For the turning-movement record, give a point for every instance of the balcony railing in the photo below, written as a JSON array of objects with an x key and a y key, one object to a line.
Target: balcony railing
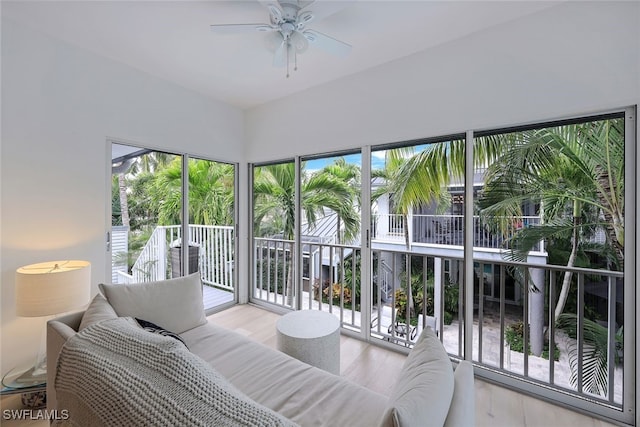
[
  {"x": 449, "y": 230},
  {"x": 213, "y": 249},
  {"x": 578, "y": 362}
]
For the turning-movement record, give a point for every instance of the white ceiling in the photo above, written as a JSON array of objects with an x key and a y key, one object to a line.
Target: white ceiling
[{"x": 172, "y": 39}]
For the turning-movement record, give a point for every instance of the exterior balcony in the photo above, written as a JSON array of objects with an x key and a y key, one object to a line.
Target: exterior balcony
[{"x": 448, "y": 230}]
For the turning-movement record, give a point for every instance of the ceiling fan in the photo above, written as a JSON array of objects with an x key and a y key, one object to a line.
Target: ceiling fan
[{"x": 288, "y": 33}]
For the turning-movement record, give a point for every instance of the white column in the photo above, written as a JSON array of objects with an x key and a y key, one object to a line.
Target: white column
[{"x": 536, "y": 311}]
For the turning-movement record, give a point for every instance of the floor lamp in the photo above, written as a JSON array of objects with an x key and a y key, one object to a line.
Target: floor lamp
[{"x": 46, "y": 289}]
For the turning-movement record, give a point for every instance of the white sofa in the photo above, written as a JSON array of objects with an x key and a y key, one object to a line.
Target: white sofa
[{"x": 87, "y": 353}]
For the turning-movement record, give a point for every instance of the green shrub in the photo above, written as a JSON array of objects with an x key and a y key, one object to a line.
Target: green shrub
[{"x": 514, "y": 336}]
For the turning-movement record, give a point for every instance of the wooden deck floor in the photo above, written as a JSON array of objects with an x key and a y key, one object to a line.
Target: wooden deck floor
[{"x": 213, "y": 297}]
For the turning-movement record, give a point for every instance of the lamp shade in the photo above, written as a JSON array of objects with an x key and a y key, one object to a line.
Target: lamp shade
[{"x": 52, "y": 287}]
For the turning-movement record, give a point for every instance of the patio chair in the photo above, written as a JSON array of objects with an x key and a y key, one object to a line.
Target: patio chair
[{"x": 399, "y": 330}]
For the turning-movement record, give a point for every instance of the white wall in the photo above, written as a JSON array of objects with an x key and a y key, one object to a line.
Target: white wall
[
  {"x": 569, "y": 59},
  {"x": 59, "y": 104}
]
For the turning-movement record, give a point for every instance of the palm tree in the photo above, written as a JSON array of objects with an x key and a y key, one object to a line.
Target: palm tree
[
  {"x": 413, "y": 178},
  {"x": 120, "y": 170},
  {"x": 129, "y": 176},
  {"x": 210, "y": 192},
  {"x": 576, "y": 173},
  {"x": 274, "y": 203},
  {"x": 577, "y": 167},
  {"x": 350, "y": 174}
]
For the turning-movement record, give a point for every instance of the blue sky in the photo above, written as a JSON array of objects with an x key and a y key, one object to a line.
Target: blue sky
[
  {"x": 356, "y": 159},
  {"x": 377, "y": 159}
]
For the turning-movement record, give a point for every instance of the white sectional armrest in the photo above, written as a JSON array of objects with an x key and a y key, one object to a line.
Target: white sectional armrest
[{"x": 59, "y": 330}]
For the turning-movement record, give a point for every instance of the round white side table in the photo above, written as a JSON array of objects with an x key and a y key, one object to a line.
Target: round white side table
[{"x": 312, "y": 337}]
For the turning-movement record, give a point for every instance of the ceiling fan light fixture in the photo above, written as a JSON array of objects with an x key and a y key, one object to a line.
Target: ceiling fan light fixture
[{"x": 299, "y": 42}]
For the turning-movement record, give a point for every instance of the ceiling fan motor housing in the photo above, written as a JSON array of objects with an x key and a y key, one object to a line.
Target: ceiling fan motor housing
[{"x": 287, "y": 31}]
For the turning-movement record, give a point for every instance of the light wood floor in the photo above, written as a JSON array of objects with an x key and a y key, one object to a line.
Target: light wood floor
[{"x": 377, "y": 369}]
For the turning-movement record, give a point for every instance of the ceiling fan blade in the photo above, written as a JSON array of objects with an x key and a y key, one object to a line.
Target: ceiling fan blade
[
  {"x": 242, "y": 28},
  {"x": 275, "y": 11},
  {"x": 280, "y": 56},
  {"x": 327, "y": 43}
]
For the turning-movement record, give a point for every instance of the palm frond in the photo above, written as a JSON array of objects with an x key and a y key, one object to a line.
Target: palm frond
[{"x": 594, "y": 353}]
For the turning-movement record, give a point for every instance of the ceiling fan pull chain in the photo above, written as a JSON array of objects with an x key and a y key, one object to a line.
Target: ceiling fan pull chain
[{"x": 287, "y": 47}]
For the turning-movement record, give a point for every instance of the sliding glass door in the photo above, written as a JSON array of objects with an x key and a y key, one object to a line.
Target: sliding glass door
[
  {"x": 552, "y": 309},
  {"x": 211, "y": 228},
  {"x": 330, "y": 236},
  {"x": 274, "y": 219},
  {"x": 151, "y": 192},
  {"x": 417, "y": 241},
  {"x": 306, "y": 227},
  {"x": 144, "y": 224}
]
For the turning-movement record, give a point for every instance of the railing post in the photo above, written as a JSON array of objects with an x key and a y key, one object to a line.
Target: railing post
[
  {"x": 409, "y": 226},
  {"x": 438, "y": 278},
  {"x": 161, "y": 265}
]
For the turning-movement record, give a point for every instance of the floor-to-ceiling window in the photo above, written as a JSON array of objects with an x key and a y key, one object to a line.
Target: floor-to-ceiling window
[
  {"x": 211, "y": 208},
  {"x": 551, "y": 307},
  {"x": 509, "y": 243},
  {"x": 273, "y": 224},
  {"x": 417, "y": 239},
  {"x": 330, "y": 236},
  {"x": 316, "y": 202},
  {"x": 152, "y": 192}
]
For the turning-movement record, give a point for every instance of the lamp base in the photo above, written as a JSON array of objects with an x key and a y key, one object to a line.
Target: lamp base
[{"x": 29, "y": 378}]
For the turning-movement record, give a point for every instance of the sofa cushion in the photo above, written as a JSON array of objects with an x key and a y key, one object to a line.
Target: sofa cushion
[
  {"x": 462, "y": 411},
  {"x": 303, "y": 393},
  {"x": 423, "y": 393},
  {"x": 98, "y": 310},
  {"x": 174, "y": 304}
]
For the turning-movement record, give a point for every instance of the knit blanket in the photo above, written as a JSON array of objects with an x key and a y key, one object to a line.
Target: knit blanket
[{"x": 114, "y": 373}]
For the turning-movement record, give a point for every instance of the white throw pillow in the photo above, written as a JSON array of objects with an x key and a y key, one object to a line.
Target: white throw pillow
[
  {"x": 423, "y": 393},
  {"x": 98, "y": 310},
  {"x": 463, "y": 404},
  {"x": 174, "y": 304}
]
